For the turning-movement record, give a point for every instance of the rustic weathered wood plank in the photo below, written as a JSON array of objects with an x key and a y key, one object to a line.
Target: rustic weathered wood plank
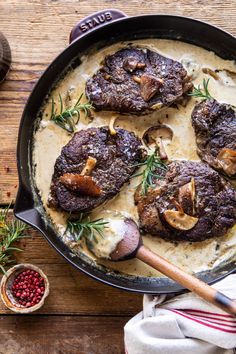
[
  {"x": 38, "y": 30},
  {"x": 71, "y": 291},
  {"x": 61, "y": 335}
]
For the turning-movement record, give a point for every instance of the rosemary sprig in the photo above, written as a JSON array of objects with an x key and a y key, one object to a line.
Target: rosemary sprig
[
  {"x": 83, "y": 227},
  {"x": 10, "y": 232},
  {"x": 152, "y": 163},
  {"x": 69, "y": 117},
  {"x": 202, "y": 93}
]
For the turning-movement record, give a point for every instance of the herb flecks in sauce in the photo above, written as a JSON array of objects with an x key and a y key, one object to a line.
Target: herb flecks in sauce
[
  {"x": 69, "y": 117},
  {"x": 83, "y": 227}
]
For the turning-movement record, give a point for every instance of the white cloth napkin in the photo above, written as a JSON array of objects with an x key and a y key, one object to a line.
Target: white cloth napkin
[{"x": 184, "y": 324}]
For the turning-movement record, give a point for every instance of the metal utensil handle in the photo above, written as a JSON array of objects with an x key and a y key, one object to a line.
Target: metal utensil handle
[
  {"x": 95, "y": 20},
  {"x": 190, "y": 282}
]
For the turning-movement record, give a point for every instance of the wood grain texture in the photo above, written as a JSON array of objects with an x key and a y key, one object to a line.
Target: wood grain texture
[
  {"x": 71, "y": 291},
  {"x": 61, "y": 334},
  {"x": 38, "y": 30}
]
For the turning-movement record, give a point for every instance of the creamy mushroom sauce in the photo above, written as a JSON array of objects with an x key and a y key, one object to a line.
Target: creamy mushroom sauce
[{"x": 49, "y": 139}]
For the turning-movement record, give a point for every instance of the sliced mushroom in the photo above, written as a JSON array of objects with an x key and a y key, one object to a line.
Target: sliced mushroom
[
  {"x": 224, "y": 76},
  {"x": 81, "y": 184},
  {"x": 140, "y": 66},
  {"x": 159, "y": 131},
  {"x": 179, "y": 220},
  {"x": 162, "y": 151},
  {"x": 156, "y": 135},
  {"x": 187, "y": 196},
  {"x": 210, "y": 72},
  {"x": 111, "y": 126},
  {"x": 89, "y": 166},
  {"x": 227, "y": 160},
  {"x": 177, "y": 205},
  {"x": 227, "y": 77},
  {"x": 157, "y": 106},
  {"x": 149, "y": 86},
  {"x": 136, "y": 79},
  {"x": 130, "y": 64}
]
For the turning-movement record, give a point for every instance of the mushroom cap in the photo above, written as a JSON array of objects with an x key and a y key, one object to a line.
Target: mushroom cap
[
  {"x": 153, "y": 134},
  {"x": 186, "y": 197},
  {"x": 149, "y": 86},
  {"x": 227, "y": 160},
  {"x": 82, "y": 184},
  {"x": 179, "y": 220}
]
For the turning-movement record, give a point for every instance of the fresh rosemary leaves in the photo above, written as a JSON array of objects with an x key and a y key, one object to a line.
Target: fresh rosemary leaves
[
  {"x": 152, "y": 163},
  {"x": 10, "y": 231},
  {"x": 202, "y": 93},
  {"x": 86, "y": 228},
  {"x": 69, "y": 117}
]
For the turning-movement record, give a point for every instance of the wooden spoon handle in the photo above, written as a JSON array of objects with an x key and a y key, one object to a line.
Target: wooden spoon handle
[{"x": 188, "y": 281}]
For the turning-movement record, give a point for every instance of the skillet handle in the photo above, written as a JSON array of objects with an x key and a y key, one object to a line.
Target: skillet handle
[
  {"x": 190, "y": 282},
  {"x": 95, "y": 20}
]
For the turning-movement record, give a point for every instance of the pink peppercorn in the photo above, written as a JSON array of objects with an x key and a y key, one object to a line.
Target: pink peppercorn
[{"x": 28, "y": 288}]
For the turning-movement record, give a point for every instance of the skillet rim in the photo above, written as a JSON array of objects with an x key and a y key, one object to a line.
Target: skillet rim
[{"x": 30, "y": 213}]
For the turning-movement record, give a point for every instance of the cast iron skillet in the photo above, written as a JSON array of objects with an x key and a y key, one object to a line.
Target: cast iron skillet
[{"x": 99, "y": 30}]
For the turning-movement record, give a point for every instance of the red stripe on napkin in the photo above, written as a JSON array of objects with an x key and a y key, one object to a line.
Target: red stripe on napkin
[
  {"x": 207, "y": 324},
  {"x": 209, "y": 318},
  {"x": 217, "y": 322},
  {"x": 210, "y": 313}
]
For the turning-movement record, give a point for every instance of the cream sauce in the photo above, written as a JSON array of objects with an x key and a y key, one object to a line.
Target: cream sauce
[{"x": 49, "y": 139}]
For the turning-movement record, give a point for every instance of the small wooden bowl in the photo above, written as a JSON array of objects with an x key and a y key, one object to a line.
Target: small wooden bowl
[{"x": 6, "y": 285}]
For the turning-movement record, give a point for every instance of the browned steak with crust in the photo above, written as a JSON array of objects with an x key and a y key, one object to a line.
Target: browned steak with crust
[
  {"x": 215, "y": 128},
  {"x": 115, "y": 157},
  {"x": 137, "y": 81},
  {"x": 193, "y": 202}
]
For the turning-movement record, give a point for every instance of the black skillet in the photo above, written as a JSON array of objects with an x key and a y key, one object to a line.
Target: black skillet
[{"x": 96, "y": 31}]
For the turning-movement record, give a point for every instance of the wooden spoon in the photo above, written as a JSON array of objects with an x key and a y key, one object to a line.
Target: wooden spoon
[{"x": 131, "y": 246}]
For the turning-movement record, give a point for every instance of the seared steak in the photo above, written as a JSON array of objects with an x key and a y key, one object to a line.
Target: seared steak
[
  {"x": 193, "y": 202},
  {"x": 137, "y": 81},
  {"x": 115, "y": 157},
  {"x": 215, "y": 128}
]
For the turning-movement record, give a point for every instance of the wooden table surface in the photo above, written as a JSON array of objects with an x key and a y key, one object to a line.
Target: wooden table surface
[{"x": 80, "y": 315}]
